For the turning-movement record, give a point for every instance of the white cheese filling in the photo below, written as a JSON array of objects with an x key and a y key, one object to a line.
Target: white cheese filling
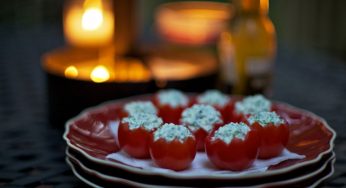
[
  {"x": 170, "y": 131},
  {"x": 230, "y": 131},
  {"x": 140, "y": 107},
  {"x": 201, "y": 116},
  {"x": 214, "y": 98},
  {"x": 253, "y": 105},
  {"x": 147, "y": 121},
  {"x": 173, "y": 98},
  {"x": 264, "y": 118}
]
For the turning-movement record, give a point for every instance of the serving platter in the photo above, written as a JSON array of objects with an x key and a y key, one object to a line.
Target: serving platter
[
  {"x": 114, "y": 174},
  {"x": 89, "y": 134},
  {"x": 98, "y": 179}
]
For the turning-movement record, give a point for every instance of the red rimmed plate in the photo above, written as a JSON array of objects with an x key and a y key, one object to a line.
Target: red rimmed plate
[
  {"x": 95, "y": 178},
  {"x": 89, "y": 134},
  {"x": 115, "y": 174}
]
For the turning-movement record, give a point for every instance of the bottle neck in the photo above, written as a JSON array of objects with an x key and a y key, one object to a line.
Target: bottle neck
[{"x": 251, "y": 7}]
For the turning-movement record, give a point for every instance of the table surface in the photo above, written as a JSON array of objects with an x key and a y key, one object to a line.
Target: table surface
[{"x": 32, "y": 152}]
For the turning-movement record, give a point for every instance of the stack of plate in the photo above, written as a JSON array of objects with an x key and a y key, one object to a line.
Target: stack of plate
[{"x": 90, "y": 140}]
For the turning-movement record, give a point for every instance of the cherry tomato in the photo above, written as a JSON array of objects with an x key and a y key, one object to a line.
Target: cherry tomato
[
  {"x": 234, "y": 116},
  {"x": 134, "y": 142},
  {"x": 201, "y": 119},
  {"x": 226, "y": 111},
  {"x": 136, "y": 107},
  {"x": 237, "y": 155},
  {"x": 123, "y": 114},
  {"x": 173, "y": 155},
  {"x": 273, "y": 139},
  {"x": 193, "y": 100},
  {"x": 201, "y": 134},
  {"x": 167, "y": 113}
]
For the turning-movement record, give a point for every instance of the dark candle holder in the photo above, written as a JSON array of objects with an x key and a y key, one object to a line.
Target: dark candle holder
[{"x": 68, "y": 96}]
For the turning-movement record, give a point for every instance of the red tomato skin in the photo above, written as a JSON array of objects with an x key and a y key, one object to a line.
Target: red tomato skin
[
  {"x": 123, "y": 114},
  {"x": 236, "y": 117},
  {"x": 236, "y": 156},
  {"x": 273, "y": 139},
  {"x": 200, "y": 135},
  {"x": 173, "y": 155},
  {"x": 225, "y": 111},
  {"x": 168, "y": 113},
  {"x": 134, "y": 142},
  {"x": 193, "y": 101},
  {"x": 229, "y": 114}
]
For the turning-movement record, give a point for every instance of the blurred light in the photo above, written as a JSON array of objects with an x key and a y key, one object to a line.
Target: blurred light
[
  {"x": 99, "y": 74},
  {"x": 192, "y": 22},
  {"x": 71, "y": 72},
  {"x": 89, "y": 23},
  {"x": 92, "y": 19}
]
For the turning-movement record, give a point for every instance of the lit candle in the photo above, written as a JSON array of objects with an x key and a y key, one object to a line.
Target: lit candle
[
  {"x": 88, "y": 71},
  {"x": 89, "y": 23}
]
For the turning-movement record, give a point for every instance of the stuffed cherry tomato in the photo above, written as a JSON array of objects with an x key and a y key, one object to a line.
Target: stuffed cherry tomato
[
  {"x": 273, "y": 133},
  {"x": 233, "y": 146},
  {"x": 250, "y": 105},
  {"x": 137, "y": 107},
  {"x": 219, "y": 101},
  {"x": 134, "y": 133},
  {"x": 171, "y": 104},
  {"x": 173, "y": 147},
  {"x": 201, "y": 120}
]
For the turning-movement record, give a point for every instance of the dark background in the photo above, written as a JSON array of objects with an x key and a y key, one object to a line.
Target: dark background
[
  {"x": 310, "y": 73},
  {"x": 315, "y": 24}
]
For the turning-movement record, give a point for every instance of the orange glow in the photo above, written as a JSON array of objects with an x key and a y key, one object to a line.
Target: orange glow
[
  {"x": 89, "y": 24},
  {"x": 192, "y": 23},
  {"x": 89, "y": 67},
  {"x": 92, "y": 19},
  {"x": 264, "y": 6},
  {"x": 205, "y": 13},
  {"x": 100, "y": 74},
  {"x": 137, "y": 71},
  {"x": 132, "y": 70},
  {"x": 71, "y": 72}
]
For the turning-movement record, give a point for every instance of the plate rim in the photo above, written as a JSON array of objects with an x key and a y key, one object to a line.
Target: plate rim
[
  {"x": 69, "y": 150},
  {"x": 98, "y": 174},
  {"x": 331, "y": 160},
  {"x": 328, "y": 175},
  {"x": 176, "y": 174},
  {"x": 68, "y": 162}
]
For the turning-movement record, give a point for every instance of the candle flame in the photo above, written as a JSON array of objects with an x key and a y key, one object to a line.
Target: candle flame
[
  {"x": 100, "y": 74},
  {"x": 92, "y": 17},
  {"x": 71, "y": 72}
]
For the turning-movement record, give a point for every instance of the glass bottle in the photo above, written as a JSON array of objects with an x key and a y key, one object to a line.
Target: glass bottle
[{"x": 247, "y": 49}]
